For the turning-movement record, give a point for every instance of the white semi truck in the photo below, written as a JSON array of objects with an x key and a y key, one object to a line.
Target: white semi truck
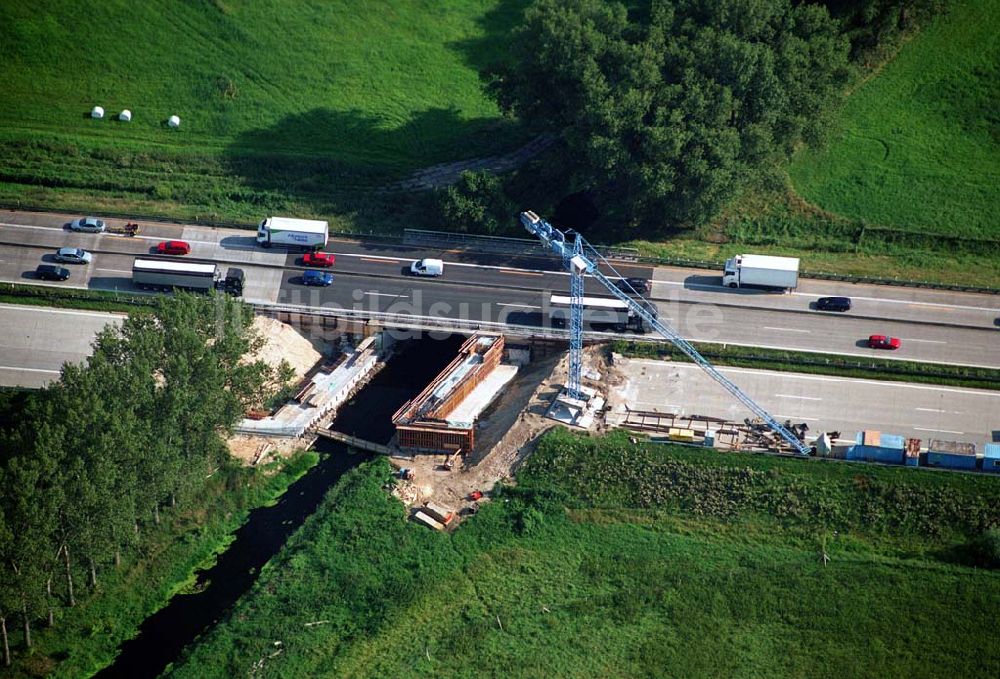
[
  {"x": 308, "y": 234},
  {"x": 599, "y": 312},
  {"x": 763, "y": 271},
  {"x": 156, "y": 274}
]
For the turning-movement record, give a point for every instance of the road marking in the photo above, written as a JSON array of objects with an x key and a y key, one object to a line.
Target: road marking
[
  {"x": 50, "y": 310},
  {"x": 523, "y": 272},
  {"x": 386, "y": 294},
  {"x": 939, "y": 431},
  {"x": 29, "y": 370},
  {"x": 113, "y": 270},
  {"x": 804, "y": 398},
  {"x": 767, "y": 327},
  {"x": 926, "y": 341},
  {"x": 519, "y": 306},
  {"x": 378, "y": 260},
  {"x": 931, "y": 410},
  {"x": 819, "y": 378},
  {"x": 798, "y": 417}
]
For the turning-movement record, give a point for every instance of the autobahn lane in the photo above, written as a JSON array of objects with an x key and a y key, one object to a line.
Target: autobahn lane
[
  {"x": 825, "y": 403},
  {"x": 366, "y": 280},
  {"x": 36, "y": 341}
]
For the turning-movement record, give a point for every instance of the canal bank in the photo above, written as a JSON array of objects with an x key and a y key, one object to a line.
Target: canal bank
[{"x": 164, "y": 635}]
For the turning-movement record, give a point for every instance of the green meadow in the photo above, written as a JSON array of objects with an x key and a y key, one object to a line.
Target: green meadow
[
  {"x": 918, "y": 146},
  {"x": 609, "y": 559},
  {"x": 283, "y": 105}
]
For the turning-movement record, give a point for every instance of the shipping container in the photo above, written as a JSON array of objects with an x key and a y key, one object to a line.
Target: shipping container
[
  {"x": 991, "y": 458},
  {"x": 951, "y": 454},
  {"x": 875, "y": 454}
]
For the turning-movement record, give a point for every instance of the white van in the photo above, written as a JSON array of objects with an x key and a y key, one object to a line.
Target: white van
[{"x": 427, "y": 267}]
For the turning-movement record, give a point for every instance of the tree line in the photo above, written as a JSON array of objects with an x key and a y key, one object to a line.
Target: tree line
[
  {"x": 668, "y": 109},
  {"x": 92, "y": 459}
]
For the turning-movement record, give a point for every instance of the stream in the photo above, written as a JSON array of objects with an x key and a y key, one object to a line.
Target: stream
[{"x": 163, "y": 636}]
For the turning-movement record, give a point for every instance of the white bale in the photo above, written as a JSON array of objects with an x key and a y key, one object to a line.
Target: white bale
[
  {"x": 97, "y": 112},
  {"x": 125, "y": 115},
  {"x": 174, "y": 121}
]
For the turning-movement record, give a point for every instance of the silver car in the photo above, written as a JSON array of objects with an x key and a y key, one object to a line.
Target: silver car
[
  {"x": 72, "y": 256},
  {"x": 92, "y": 224}
]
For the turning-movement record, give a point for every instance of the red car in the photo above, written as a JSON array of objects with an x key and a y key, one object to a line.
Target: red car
[
  {"x": 883, "y": 342},
  {"x": 318, "y": 259},
  {"x": 173, "y": 247}
]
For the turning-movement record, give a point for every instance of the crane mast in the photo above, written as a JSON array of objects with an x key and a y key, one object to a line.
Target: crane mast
[{"x": 582, "y": 259}]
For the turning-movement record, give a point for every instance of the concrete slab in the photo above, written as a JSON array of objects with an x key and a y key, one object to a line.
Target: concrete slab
[
  {"x": 480, "y": 397},
  {"x": 826, "y": 403}
]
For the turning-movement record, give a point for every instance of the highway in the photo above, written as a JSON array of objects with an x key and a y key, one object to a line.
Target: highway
[
  {"x": 823, "y": 402},
  {"x": 935, "y": 326},
  {"x": 36, "y": 341}
]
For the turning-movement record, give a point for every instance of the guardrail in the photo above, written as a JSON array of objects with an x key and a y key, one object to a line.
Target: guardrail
[
  {"x": 527, "y": 246},
  {"x": 503, "y": 244}
]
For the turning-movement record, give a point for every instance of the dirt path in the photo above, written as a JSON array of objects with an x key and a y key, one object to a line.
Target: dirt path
[{"x": 446, "y": 174}]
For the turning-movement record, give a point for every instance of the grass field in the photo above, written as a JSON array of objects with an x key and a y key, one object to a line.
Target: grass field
[
  {"x": 615, "y": 560},
  {"x": 919, "y": 142},
  {"x": 282, "y": 103}
]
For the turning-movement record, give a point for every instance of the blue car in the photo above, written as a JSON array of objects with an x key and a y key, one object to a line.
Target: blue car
[{"x": 323, "y": 278}]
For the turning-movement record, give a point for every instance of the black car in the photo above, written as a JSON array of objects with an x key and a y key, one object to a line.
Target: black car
[
  {"x": 50, "y": 272},
  {"x": 833, "y": 303},
  {"x": 632, "y": 285}
]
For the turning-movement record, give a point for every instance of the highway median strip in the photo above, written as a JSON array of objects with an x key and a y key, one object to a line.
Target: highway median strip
[{"x": 820, "y": 364}]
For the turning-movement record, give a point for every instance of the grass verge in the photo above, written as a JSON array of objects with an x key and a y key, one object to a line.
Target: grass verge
[
  {"x": 87, "y": 637},
  {"x": 820, "y": 364},
  {"x": 618, "y": 560},
  {"x": 71, "y": 298}
]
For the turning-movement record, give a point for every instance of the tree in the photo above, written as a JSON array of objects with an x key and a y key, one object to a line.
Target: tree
[
  {"x": 477, "y": 204},
  {"x": 668, "y": 113}
]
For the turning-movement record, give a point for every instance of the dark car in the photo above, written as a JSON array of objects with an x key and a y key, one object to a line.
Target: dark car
[
  {"x": 51, "y": 272},
  {"x": 313, "y": 277},
  {"x": 632, "y": 286},
  {"x": 833, "y": 303}
]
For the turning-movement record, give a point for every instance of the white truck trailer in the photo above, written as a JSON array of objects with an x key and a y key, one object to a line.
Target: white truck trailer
[
  {"x": 763, "y": 271},
  {"x": 156, "y": 274},
  {"x": 308, "y": 234},
  {"x": 597, "y": 312}
]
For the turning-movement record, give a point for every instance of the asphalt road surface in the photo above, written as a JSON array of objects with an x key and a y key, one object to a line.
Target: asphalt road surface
[
  {"x": 935, "y": 326},
  {"x": 36, "y": 341},
  {"x": 823, "y": 402}
]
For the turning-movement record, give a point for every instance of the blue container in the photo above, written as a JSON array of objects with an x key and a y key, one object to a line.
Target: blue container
[
  {"x": 911, "y": 461},
  {"x": 937, "y": 458},
  {"x": 892, "y": 441},
  {"x": 875, "y": 454},
  {"x": 991, "y": 458}
]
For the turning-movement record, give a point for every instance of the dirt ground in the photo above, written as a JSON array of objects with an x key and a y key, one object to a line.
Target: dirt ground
[
  {"x": 254, "y": 450},
  {"x": 508, "y": 433},
  {"x": 282, "y": 341}
]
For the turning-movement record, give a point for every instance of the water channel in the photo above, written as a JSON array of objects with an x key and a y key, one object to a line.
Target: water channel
[{"x": 164, "y": 634}]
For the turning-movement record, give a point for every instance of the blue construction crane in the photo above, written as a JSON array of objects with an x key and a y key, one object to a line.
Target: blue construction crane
[{"x": 581, "y": 259}]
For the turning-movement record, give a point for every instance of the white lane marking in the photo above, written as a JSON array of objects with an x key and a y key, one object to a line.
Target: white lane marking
[
  {"x": 799, "y": 418},
  {"x": 931, "y": 410},
  {"x": 29, "y": 370},
  {"x": 844, "y": 353},
  {"x": 924, "y": 341},
  {"x": 818, "y": 378},
  {"x": 113, "y": 271},
  {"x": 52, "y": 310},
  {"x": 767, "y": 327},
  {"x": 386, "y": 294},
  {"x": 940, "y": 431},
  {"x": 518, "y": 306},
  {"x": 804, "y": 398}
]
